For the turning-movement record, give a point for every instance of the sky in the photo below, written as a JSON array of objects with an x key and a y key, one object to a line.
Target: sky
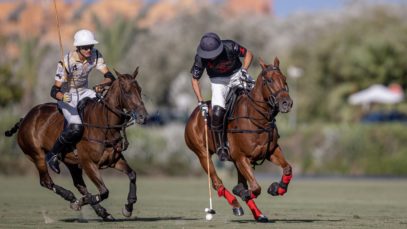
[{"x": 283, "y": 8}]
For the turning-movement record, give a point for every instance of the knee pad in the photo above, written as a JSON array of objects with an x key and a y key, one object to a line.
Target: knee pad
[
  {"x": 72, "y": 134},
  {"x": 218, "y": 114}
]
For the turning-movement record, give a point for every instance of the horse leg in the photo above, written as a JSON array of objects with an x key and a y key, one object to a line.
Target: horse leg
[
  {"x": 46, "y": 181},
  {"x": 218, "y": 185},
  {"x": 92, "y": 171},
  {"x": 79, "y": 183},
  {"x": 279, "y": 189},
  {"x": 245, "y": 173},
  {"x": 122, "y": 166}
]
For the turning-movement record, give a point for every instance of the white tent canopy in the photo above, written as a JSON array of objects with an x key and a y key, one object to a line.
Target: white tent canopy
[{"x": 377, "y": 94}]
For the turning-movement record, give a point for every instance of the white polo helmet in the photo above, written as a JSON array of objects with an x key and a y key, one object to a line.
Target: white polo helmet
[{"x": 84, "y": 37}]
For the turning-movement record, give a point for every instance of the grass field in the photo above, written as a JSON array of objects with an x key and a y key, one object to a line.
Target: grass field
[{"x": 180, "y": 203}]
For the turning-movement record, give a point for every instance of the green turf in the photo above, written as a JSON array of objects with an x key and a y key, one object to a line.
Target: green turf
[{"x": 180, "y": 203}]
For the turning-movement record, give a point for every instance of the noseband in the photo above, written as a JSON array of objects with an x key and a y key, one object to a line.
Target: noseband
[
  {"x": 130, "y": 115},
  {"x": 271, "y": 100}
]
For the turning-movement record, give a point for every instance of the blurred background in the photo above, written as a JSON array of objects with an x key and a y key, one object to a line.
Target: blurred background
[{"x": 346, "y": 63}]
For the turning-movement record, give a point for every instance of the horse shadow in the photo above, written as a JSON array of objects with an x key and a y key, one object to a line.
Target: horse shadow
[
  {"x": 134, "y": 219},
  {"x": 289, "y": 220}
]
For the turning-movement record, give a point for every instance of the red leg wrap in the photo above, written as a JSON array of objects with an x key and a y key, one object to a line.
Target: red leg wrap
[
  {"x": 255, "y": 211},
  {"x": 222, "y": 191},
  {"x": 281, "y": 191},
  {"x": 286, "y": 180}
]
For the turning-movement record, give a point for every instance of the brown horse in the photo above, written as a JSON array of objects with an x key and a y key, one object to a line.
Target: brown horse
[
  {"x": 252, "y": 135},
  {"x": 101, "y": 146}
]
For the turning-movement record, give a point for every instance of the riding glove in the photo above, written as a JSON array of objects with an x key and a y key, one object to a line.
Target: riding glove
[
  {"x": 245, "y": 75},
  {"x": 204, "y": 108},
  {"x": 67, "y": 97}
]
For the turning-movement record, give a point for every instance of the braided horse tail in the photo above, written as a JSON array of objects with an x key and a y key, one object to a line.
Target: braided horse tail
[{"x": 13, "y": 130}]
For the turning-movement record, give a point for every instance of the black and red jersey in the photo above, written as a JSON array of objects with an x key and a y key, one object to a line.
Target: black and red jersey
[{"x": 226, "y": 64}]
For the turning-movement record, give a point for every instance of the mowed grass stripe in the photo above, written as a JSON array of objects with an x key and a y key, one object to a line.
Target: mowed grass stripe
[{"x": 180, "y": 203}]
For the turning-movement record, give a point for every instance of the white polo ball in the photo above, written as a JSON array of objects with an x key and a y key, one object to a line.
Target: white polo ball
[{"x": 208, "y": 216}]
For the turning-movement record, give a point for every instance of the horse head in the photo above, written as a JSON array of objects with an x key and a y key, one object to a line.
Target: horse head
[
  {"x": 274, "y": 86},
  {"x": 126, "y": 92}
]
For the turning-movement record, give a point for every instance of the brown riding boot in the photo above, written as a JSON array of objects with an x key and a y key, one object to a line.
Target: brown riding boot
[{"x": 222, "y": 150}]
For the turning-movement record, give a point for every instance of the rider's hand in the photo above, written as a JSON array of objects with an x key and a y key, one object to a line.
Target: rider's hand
[
  {"x": 204, "y": 108},
  {"x": 245, "y": 75},
  {"x": 98, "y": 89},
  {"x": 67, "y": 97}
]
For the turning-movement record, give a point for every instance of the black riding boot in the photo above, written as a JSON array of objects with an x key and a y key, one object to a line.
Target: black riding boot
[
  {"x": 222, "y": 150},
  {"x": 69, "y": 137}
]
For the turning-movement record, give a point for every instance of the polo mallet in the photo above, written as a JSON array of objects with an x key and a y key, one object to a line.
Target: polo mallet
[{"x": 209, "y": 211}]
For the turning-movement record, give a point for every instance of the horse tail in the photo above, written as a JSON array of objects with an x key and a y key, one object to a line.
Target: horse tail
[{"x": 13, "y": 130}]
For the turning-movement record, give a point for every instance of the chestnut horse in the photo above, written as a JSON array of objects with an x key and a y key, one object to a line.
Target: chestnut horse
[
  {"x": 101, "y": 146},
  {"x": 252, "y": 135}
]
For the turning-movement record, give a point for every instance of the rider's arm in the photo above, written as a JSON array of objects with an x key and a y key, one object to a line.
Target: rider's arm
[
  {"x": 102, "y": 67},
  {"x": 197, "y": 71},
  {"x": 197, "y": 89},
  {"x": 60, "y": 79},
  {"x": 247, "y": 59},
  {"x": 243, "y": 52},
  {"x": 56, "y": 91},
  {"x": 108, "y": 76}
]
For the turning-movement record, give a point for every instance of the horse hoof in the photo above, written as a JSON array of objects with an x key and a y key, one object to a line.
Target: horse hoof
[
  {"x": 238, "y": 211},
  {"x": 76, "y": 205},
  {"x": 273, "y": 189},
  {"x": 262, "y": 219},
  {"x": 109, "y": 218},
  {"x": 125, "y": 212}
]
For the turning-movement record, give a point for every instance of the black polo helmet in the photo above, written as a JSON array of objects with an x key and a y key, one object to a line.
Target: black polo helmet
[{"x": 210, "y": 46}]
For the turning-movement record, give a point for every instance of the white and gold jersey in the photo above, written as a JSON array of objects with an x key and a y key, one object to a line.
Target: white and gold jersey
[{"x": 78, "y": 70}]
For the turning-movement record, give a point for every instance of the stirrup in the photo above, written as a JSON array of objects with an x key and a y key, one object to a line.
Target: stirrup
[{"x": 53, "y": 163}]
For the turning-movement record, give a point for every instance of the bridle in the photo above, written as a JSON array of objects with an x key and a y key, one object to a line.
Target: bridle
[
  {"x": 267, "y": 108},
  {"x": 271, "y": 100},
  {"x": 128, "y": 117}
]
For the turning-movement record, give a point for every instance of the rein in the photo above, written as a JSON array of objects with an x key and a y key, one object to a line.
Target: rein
[
  {"x": 269, "y": 114},
  {"x": 267, "y": 110},
  {"x": 128, "y": 121}
]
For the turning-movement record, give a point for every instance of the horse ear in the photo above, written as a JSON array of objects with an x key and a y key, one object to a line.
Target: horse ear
[
  {"x": 117, "y": 73},
  {"x": 135, "y": 73},
  {"x": 262, "y": 64},
  {"x": 276, "y": 62}
]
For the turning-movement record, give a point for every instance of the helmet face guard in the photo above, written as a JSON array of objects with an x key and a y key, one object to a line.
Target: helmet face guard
[
  {"x": 210, "y": 46},
  {"x": 84, "y": 38}
]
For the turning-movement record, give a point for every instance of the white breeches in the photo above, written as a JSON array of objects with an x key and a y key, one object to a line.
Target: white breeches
[
  {"x": 221, "y": 87},
  {"x": 70, "y": 110}
]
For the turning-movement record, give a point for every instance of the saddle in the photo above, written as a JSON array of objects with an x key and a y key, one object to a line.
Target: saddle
[
  {"x": 81, "y": 110},
  {"x": 231, "y": 98}
]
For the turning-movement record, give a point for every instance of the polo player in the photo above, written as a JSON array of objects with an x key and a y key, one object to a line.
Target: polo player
[{"x": 71, "y": 87}]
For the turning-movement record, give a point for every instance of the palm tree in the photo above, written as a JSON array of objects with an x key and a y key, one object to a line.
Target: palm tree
[
  {"x": 31, "y": 55},
  {"x": 115, "y": 40}
]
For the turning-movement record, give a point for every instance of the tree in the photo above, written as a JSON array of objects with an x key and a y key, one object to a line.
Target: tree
[
  {"x": 31, "y": 54},
  {"x": 115, "y": 40},
  {"x": 10, "y": 91},
  {"x": 349, "y": 56}
]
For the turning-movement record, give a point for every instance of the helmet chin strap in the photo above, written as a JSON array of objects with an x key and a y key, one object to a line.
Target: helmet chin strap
[{"x": 80, "y": 54}]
